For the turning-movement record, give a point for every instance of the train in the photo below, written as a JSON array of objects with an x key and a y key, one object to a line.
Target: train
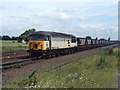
[{"x": 48, "y": 44}]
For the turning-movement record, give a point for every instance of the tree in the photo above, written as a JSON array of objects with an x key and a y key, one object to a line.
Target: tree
[
  {"x": 13, "y": 38},
  {"x": 6, "y": 37},
  {"x": 0, "y": 37},
  {"x": 25, "y": 35}
]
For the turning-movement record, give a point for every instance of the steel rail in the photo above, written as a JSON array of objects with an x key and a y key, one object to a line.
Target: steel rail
[{"x": 30, "y": 60}]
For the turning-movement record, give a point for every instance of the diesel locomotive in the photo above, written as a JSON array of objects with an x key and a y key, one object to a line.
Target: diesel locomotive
[{"x": 50, "y": 44}]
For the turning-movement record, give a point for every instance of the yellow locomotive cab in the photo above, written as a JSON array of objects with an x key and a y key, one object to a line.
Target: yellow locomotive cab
[{"x": 36, "y": 45}]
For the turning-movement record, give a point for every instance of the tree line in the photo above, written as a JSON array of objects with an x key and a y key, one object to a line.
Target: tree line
[
  {"x": 24, "y": 36},
  {"x": 6, "y": 37}
]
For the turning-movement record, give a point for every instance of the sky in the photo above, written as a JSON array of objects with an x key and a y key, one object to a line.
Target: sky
[{"x": 98, "y": 18}]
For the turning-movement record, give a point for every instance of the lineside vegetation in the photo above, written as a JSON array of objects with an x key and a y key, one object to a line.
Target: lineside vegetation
[
  {"x": 97, "y": 71},
  {"x": 10, "y": 45}
]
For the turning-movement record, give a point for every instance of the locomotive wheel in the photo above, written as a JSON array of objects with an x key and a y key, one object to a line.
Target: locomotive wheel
[
  {"x": 42, "y": 57},
  {"x": 68, "y": 52},
  {"x": 47, "y": 56},
  {"x": 36, "y": 57},
  {"x": 52, "y": 55},
  {"x": 63, "y": 52},
  {"x": 72, "y": 51},
  {"x": 57, "y": 54}
]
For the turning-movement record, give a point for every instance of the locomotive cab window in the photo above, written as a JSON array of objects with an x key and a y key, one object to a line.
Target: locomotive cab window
[{"x": 73, "y": 40}]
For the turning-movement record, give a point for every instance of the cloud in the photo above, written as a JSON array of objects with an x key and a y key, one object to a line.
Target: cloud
[
  {"x": 60, "y": 16},
  {"x": 1, "y": 7},
  {"x": 83, "y": 19},
  {"x": 83, "y": 26},
  {"x": 21, "y": 7},
  {"x": 112, "y": 14},
  {"x": 13, "y": 30},
  {"x": 95, "y": 27},
  {"x": 19, "y": 18},
  {"x": 63, "y": 17},
  {"x": 114, "y": 28},
  {"x": 76, "y": 9},
  {"x": 105, "y": 14},
  {"x": 71, "y": 9}
]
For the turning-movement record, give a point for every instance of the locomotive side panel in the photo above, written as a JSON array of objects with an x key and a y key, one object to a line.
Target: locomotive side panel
[
  {"x": 73, "y": 44},
  {"x": 58, "y": 42}
]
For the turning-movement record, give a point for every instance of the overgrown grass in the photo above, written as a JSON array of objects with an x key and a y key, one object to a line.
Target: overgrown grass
[
  {"x": 8, "y": 45},
  {"x": 97, "y": 71}
]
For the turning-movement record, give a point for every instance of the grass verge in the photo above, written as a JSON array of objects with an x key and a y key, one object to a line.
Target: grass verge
[
  {"x": 97, "y": 71},
  {"x": 10, "y": 45}
]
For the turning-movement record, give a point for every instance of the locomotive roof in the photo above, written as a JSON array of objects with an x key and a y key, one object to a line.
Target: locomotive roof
[{"x": 53, "y": 34}]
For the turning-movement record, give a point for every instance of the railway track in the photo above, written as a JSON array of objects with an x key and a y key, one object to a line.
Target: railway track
[
  {"x": 61, "y": 65},
  {"x": 14, "y": 53},
  {"x": 9, "y": 57},
  {"x": 15, "y": 58},
  {"x": 19, "y": 63},
  {"x": 15, "y": 63}
]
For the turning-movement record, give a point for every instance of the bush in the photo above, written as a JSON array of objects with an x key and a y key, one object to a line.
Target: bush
[
  {"x": 30, "y": 81},
  {"x": 119, "y": 53},
  {"x": 110, "y": 51},
  {"x": 102, "y": 63}
]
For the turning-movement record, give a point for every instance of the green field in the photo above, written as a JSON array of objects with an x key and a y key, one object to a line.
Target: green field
[
  {"x": 97, "y": 71},
  {"x": 10, "y": 45}
]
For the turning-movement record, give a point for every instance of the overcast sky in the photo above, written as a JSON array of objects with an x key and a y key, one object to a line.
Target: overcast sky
[{"x": 80, "y": 18}]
